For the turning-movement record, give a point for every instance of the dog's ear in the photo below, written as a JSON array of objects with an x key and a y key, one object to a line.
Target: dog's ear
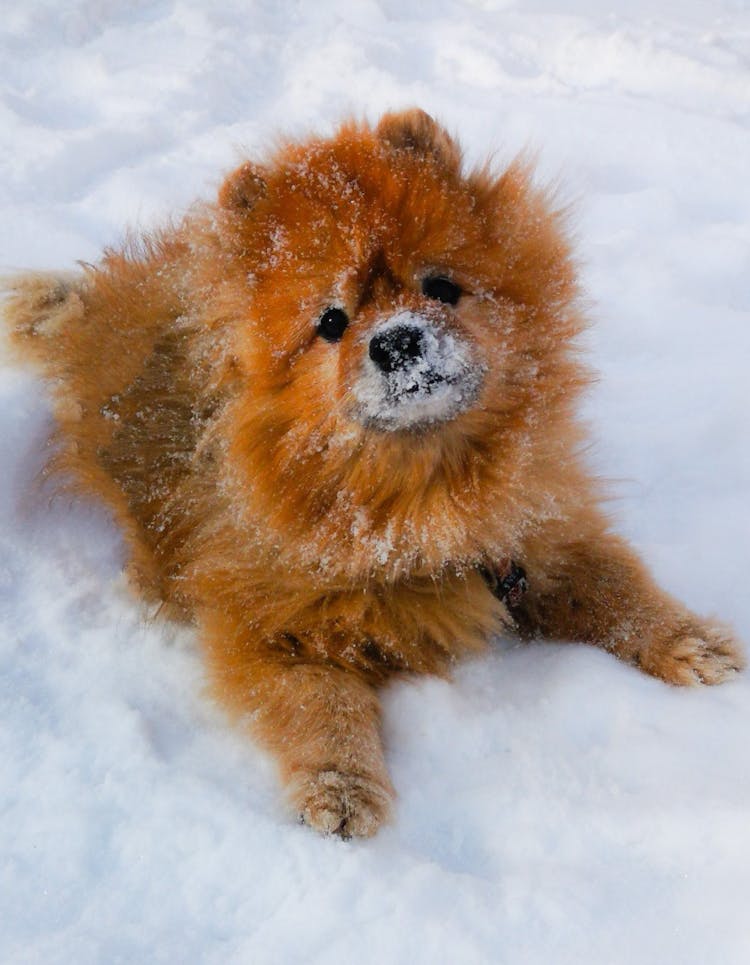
[
  {"x": 244, "y": 186},
  {"x": 414, "y": 130}
]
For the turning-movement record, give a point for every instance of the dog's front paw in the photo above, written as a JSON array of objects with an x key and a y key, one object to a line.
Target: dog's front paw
[
  {"x": 695, "y": 654},
  {"x": 334, "y": 802}
]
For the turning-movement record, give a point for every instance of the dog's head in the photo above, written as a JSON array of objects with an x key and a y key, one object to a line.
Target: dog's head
[{"x": 398, "y": 325}]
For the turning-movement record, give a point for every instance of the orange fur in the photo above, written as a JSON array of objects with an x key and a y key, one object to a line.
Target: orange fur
[{"x": 320, "y": 554}]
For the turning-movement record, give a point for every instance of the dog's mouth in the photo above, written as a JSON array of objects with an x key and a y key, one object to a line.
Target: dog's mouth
[
  {"x": 424, "y": 384},
  {"x": 415, "y": 375}
]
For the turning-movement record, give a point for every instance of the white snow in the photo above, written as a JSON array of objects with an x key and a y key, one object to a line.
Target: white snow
[{"x": 555, "y": 806}]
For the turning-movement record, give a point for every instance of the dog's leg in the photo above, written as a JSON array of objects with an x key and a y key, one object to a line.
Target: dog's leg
[
  {"x": 587, "y": 584},
  {"x": 321, "y": 722}
]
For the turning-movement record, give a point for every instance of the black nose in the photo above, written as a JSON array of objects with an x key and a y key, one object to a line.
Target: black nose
[{"x": 397, "y": 347}]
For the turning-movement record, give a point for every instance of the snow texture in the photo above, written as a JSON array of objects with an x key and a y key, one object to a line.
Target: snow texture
[{"x": 554, "y": 804}]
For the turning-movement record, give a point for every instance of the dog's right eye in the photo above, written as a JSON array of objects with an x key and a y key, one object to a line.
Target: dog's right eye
[
  {"x": 332, "y": 324},
  {"x": 441, "y": 289}
]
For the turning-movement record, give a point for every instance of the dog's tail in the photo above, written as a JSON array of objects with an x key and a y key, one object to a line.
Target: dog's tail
[{"x": 40, "y": 309}]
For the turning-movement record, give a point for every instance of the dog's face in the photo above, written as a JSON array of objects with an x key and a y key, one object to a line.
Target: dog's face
[{"x": 392, "y": 313}]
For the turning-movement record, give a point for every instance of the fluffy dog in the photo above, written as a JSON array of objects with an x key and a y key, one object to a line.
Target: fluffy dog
[{"x": 333, "y": 413}]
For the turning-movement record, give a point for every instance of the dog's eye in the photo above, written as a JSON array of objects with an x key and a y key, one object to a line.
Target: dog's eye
[
  {"x": 442, "y": 289},
  {"x": 332, "y": 324}
]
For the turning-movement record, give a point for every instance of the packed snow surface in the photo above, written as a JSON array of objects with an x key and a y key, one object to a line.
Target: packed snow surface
[{"x": 555, "y": 806}]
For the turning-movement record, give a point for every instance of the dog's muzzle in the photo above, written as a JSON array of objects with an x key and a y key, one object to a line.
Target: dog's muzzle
[{"x": 414, "y": 374}]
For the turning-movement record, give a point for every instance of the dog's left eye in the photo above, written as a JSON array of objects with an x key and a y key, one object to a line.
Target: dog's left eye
[
  {"x": 332, "y": 324},
  {"x": 442, "y": 289}
]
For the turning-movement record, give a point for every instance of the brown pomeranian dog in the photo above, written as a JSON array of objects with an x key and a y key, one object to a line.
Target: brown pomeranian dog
[{"x": 334, "y": 415}]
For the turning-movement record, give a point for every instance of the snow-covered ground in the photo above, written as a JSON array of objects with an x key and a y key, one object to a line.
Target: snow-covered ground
[{"x": 555, "y": 806}]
